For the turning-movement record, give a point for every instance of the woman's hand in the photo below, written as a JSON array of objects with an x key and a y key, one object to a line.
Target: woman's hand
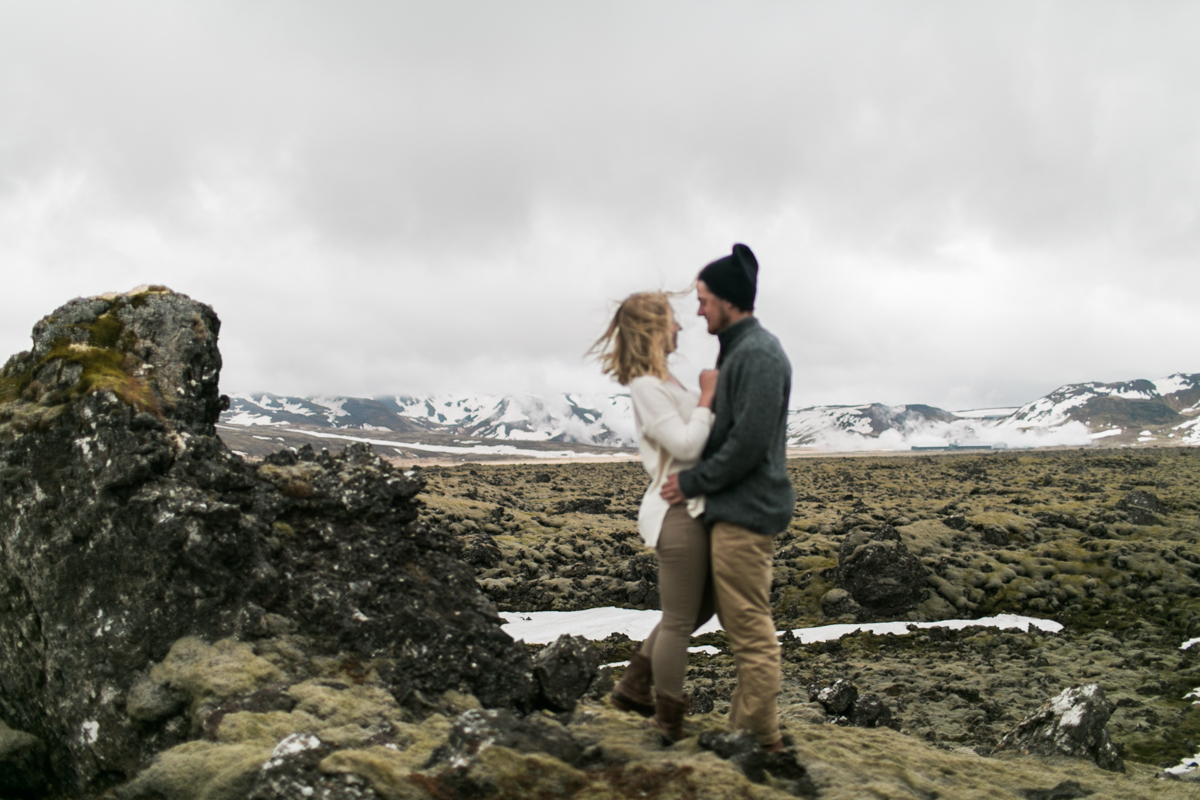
[{"x": 708, "y": 387}]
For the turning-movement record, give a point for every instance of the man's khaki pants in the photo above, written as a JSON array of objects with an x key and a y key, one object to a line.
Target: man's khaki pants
[{"x": 743, "y": 567}]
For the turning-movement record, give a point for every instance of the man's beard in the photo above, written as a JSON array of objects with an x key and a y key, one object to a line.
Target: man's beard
[{"x": 720, "y": 323}]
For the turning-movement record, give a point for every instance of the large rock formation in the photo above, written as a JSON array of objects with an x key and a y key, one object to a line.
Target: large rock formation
[
  {"x": 131, "y": 537},
  {"x": 875, "y": 567},
  {"x": 1072, "y": 724}
]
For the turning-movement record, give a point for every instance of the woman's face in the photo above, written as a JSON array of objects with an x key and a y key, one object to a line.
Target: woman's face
[{"x": 673, "y": 329}]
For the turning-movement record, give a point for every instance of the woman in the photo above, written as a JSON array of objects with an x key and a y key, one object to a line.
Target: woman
[{"x": 673, "y": 426}]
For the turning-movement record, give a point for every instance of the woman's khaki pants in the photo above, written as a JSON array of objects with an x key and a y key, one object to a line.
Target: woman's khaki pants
[{"x": 685, "y": 586}]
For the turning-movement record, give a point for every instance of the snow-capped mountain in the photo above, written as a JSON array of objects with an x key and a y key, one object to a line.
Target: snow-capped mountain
[
  {"x": 601, "y": 420},
  {"x": 587, "y": 419},
  {"x": 1141, "y": 411},
  {"x": 1134, "y": 412},
  {"x": 1154, "y": 402}
]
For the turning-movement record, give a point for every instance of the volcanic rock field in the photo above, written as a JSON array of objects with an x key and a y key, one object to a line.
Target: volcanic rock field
[
  {"x": 178, "y": 622},
  {"x": 1102, "y": 540}
]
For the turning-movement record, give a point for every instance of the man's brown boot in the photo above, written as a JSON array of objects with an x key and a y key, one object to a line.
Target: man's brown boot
[
  {"x": 668, "y": 716},
  {"x": 633, "y": 692}
]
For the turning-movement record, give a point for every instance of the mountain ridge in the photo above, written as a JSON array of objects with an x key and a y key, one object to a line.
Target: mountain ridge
[{"x": 1136, "y": 412}]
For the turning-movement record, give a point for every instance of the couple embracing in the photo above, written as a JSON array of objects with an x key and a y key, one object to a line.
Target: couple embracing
[{"x": 719, "y": 492}]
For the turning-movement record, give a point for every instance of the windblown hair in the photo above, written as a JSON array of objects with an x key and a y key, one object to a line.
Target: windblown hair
[{"x": 638, "y": 339}]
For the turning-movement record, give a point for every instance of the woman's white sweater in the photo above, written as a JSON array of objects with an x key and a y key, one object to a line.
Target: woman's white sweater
[{"x": 672, "y": 431}]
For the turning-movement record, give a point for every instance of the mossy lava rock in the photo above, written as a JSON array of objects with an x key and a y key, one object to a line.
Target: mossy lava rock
[{"x": 126, "y": 526}]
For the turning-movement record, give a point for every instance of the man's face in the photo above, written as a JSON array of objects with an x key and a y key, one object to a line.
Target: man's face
[{"x": 714, "y": 310}]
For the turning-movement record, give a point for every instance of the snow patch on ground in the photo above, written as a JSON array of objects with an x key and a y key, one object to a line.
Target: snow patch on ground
[
  {"x": 247, "y": 418},
  {"x": 989, "y": 413},
  {"x": 1190, "y": 431},
  {"x": 333, "y": 407},
  {"x": 1173, "y": 383},
  {"x": 544, "y": 627},
  {"x": 1188, "y": 765}
]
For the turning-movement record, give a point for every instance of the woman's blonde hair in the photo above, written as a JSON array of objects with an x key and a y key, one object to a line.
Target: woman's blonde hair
[{"x": 638, "y": 339}]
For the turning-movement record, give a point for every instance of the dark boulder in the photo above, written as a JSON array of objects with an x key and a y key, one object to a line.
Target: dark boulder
[
  {"x": 880, "y": 574},
  {"x": 1142, "y": 508},
  {"x": 496, "y": 753},
  {"x": 836, "y": 698},
  {"x": 1064, "y": 790},
  {"x": 565, "y": 670},
  {"x": 955, "y": 522},
  {"x": 870, "y": 711},
  {"x": 293, "y": 773},
  {"x": 481, "y": 551},
  {"x": 126, "y": 525},
  {"x": 1053, "y": 519},
  {"x": 780, "y": 769},
  {"x": 849, "y": 522},
  {"x": 1072, "y": 724},
  {"x": 699, "y": 701},
  {"x": 584, "y": 505},
  {"x": 475, "y": 731},
  {"x": 641, "y": 581},
  {"x": 995, "y": 536},
  {"x": 843, "y": 705},
  {"x": 838, "y": 603}
]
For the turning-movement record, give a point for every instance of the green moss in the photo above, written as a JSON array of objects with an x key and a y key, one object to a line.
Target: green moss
[
  {"x": 106, "y": 330},
  {"x": 16, "y": 376},
  {"x": 103, "y": 369},
  {"x": 389, "y": 771},
  {"x": 202, "y": 771},
  {"x": 800, "y": 606},
  {"x": 1013, "y": 523},
  {"x": 1175, "y": 740},
  {"x": 13, "y": 382},
  {"x": 214, "y": 672},
  {"x": 101, "y": 349}
]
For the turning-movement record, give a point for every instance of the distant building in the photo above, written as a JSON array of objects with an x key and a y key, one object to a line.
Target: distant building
[{"x": 957, "y": 446}]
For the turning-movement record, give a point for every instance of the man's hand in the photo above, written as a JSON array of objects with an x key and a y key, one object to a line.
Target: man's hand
[{"x": 671, "y": 491}]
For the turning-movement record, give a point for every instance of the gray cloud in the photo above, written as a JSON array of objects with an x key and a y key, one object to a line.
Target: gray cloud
[{"x": 953, "y": 203}]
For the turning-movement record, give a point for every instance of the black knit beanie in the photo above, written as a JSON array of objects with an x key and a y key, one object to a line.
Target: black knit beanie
[{"x": 734, "y": 277}]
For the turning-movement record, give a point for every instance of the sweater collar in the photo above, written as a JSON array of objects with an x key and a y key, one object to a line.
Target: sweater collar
[{"x": 735, "y": 332}]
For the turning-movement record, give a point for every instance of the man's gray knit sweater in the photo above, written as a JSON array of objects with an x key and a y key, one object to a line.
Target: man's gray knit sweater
[{"x": 743, "y": 471}]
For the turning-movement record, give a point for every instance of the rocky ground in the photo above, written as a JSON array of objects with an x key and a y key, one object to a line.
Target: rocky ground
[
  {"x": 1104, "y": 541},
  {"x": 179, "y": 623}
]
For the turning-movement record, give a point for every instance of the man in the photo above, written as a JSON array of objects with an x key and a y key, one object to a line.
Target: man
[{"x": 743, "y": 474}]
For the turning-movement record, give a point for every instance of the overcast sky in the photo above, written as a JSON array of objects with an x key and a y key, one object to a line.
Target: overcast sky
[{"x": 960, "y": 204}]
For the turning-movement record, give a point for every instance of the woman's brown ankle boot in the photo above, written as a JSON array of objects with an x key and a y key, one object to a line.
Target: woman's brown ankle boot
[
  {"x": 668, "y": 716},
  {"x": 633, "y": 692}
]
